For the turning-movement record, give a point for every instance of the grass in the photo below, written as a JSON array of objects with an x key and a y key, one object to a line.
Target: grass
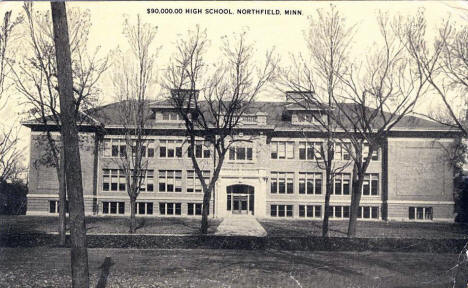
[
  {"x": 274, "y": 227},
  {"x": 146, "y": 225},
  {"x": 367, "y": 229},
  {"x": 45, "y": 267}
]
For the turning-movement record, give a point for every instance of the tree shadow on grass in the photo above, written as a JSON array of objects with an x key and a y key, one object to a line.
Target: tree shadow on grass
[
  {"x": 272, "y": 262},
  {"x": 312, "y": 262},
  {"x": 105, "y": 267},
  {"x": 299, "y": 228},
  {"x": 176, "y": 225},
  {"x": 164, "y": 223}
]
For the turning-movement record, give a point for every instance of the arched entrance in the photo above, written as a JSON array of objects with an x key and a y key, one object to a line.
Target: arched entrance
[{"x": 240, "y": 199}]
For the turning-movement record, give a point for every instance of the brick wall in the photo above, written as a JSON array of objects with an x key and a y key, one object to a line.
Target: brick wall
[
  {"x": 43, "y": 180},
  {"x": 419, "y": 175}
]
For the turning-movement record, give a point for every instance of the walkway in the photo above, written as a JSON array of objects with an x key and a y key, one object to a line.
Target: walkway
[{"x": 240, "y": 225}]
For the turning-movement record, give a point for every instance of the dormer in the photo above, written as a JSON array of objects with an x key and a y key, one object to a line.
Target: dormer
[
  {"x": 308, "y": 117},
  {"x": 181, "y": 97},
  {"x": 164, "y": 112},
  {"x": 261, "y": 118},
  {"x": 258, "y": 118},
  {"x": 304, "y": 109}
]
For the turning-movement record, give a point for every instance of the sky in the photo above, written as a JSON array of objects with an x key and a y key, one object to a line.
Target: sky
[{"x": 283, "y": 32}]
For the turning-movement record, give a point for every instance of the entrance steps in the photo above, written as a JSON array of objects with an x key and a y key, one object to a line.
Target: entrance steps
[{"x": 240, "y": 225}]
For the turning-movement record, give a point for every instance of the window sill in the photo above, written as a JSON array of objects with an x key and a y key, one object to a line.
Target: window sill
[
  {"x": 113, "y": 191},
  {"x": 420, "y": 220},
  {"x": 241, "y": 162}
]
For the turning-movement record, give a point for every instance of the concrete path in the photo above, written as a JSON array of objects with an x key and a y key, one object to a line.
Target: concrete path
[{"x": 240, "y": 225}]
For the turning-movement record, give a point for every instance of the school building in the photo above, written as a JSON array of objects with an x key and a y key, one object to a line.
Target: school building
[{"x": 272, "y": 174}]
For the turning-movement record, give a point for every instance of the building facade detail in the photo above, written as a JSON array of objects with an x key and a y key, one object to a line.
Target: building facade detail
[{"x": 272, "y": 173}]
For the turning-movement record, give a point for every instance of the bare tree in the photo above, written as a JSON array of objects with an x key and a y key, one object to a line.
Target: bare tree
[
  {"x": 212, "y": 103},
  {"x": 10, "y": 156},
  {"x": 314, "y": 80},
  {"x": 376, "y": 96},
  {"x": 444, "y": 64},
  {"x": 35, "y": 78},
  {"x": 70, "y": 138},
  {"x": 7, "y": 34},
  {"x": 132, "y": 80}
]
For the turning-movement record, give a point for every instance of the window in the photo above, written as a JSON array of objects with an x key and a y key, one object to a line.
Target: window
[
  {"x": 281, "y": 210},
  {"x": 338, "y": 212},
  {"x": 193, "y": 184},
  {"x": 171, "y": 116},
  {"x": 54, "y": 206},
  {"x": 146, "y": 148},
  {"x": 365, "y": 153},
  {"x": 202, "y": 150},
  {"x": 194, "y": 208},
  {"x": 149, "y": 181},
  {"x": 240, "y": 153},
  {"x": 170, "y": 208},
  {"x": 170, "y": 181},
  {"x": 310, "y": 183},
  {"x": 248, "y": 119},
  {"x": 151, "y": 147},
  {"x": 420, "y": 213},
  {"x": 368, "y": 212},
  {"x": 282, "y": 150},
  {"x": 342, "y": 151},
  {"x": 307, "y": 117},
  {"x": 113, "y": 180},
  {"x": 146, "y": 180},
  {"x": 309, "y": 150},
  {"x": 370, "y": 186},
  {"x": 170, "y": 148},
  {"x": 341, "y": 184},
  {"x": 310, "y": 211},
  {"x": 113, "y": 207},
  {"x": 144, "y": 208},
  {"x": 282, "y": 182},
  {"x": 118, "y": 148}
]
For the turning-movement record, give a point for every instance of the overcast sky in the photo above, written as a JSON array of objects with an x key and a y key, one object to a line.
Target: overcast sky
[{"x": 284, "y": 32}]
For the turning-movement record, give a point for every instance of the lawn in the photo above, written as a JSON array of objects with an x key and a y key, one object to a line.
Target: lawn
[
  {"x": 45, "y": 267},
  {"x": 366, "y": 229},
  {"x": 146, "y": 225},
  {"x": 274, "y": 227}
]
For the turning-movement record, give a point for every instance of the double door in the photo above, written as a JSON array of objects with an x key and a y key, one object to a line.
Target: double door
[{"x": 240, "y": 204}]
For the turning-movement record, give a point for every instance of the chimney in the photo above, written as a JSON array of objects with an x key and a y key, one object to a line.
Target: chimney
[
  {"x": 298, "y": 96},
  {"x": 261, "y": 118},
  {"x": 183, "y": 95}
]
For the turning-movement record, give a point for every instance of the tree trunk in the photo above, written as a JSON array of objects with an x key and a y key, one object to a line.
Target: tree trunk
[
  {"x": 328, "y": 191},
  {"x": 69, "y": 132},
  {"x": 132, "y": 215},
  {"x": 62, "y": 197},
  {"x": 205, "y": 212},
  {"x": 355, "y": 200}
]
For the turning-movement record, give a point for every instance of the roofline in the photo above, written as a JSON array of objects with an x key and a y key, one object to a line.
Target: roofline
[
  {"x": 256, "y": 127},
  {"x": 30, "y": 123},
  {"x": 309, "y": 129}
]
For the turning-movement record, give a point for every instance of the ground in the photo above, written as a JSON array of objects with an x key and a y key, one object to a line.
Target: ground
[
  {"x": 50, "y": 267},
  {"x": 274, "y": 227},
  {"x": 367, "y": 229},
  {"x": 240, "y": 225},
  {"x": 46, "y": 267},
  {"x": 146, "y": 225}
]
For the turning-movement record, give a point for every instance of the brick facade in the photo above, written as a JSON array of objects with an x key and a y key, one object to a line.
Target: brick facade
[{"x": 410, "y": 173}]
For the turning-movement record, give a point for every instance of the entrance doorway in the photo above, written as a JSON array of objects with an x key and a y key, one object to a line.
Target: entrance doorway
[{"x": 240, "y": 199}]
